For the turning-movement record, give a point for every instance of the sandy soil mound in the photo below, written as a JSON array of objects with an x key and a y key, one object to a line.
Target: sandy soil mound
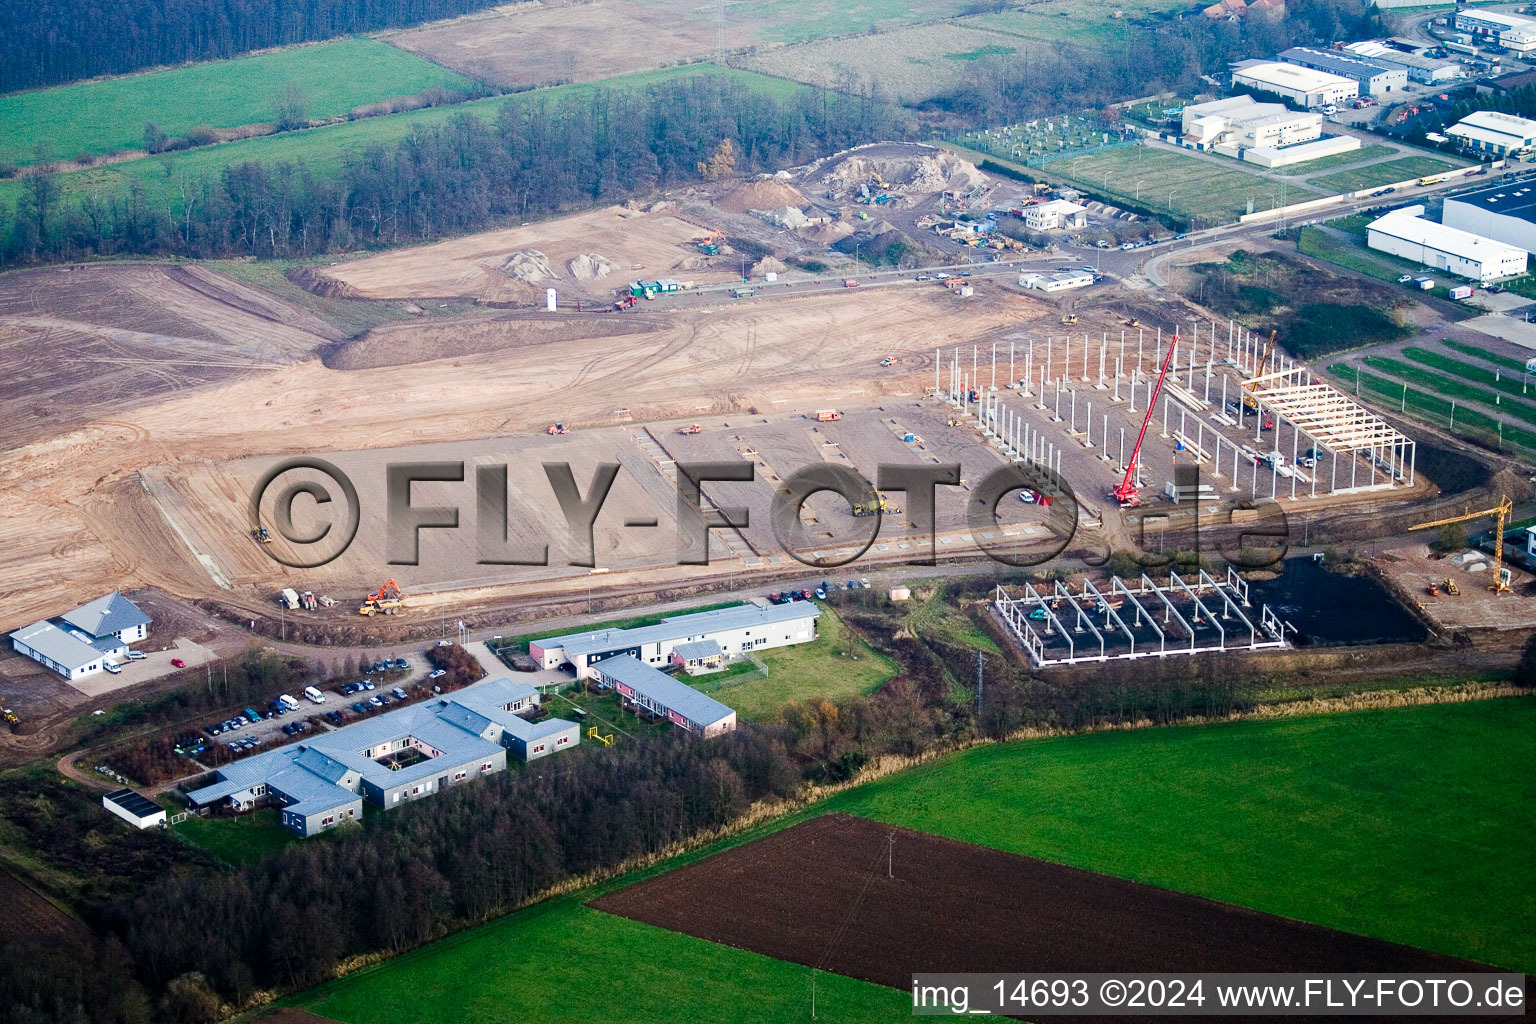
[
  {"x": 826, "y": 234},
  {"x": 761, "y": 195},
  {"x": 768, "y": 265},
  {"x": 907, "y": 174},
  {"x": 529, "y": 266},
  {"x": 321, "y": 283},
  {"x": 590, "y": 266},
  {"x": 877, "y": 240}
]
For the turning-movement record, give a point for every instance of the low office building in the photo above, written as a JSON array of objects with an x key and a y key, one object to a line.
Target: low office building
[
  {"x": 1493, "y": 133},
  {"x": 699, "y": 658},
  {"x": 737, "y": 630},
  {"x": 1505, "y": 213},
  {"x": 1305, "y": 87},
  {"x": 1242, "y": 122},
  {"x": 392, "y": 758},
  {"x": 1513, "y": 33},
  {"x": 661, "y": 694},
  {"x": 1420, "y": 68},
  {"x": 1056, "y": 282},
  {"x": 134, "y": 808},
  {"x": 1056, "y": 215},
  {"x": 1406, "y": 233},
  {"x": 82, "y": 642},
  {"x": 1373, "y": 77}
]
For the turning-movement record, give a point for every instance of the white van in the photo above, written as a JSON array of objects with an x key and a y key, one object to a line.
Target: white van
[
  {"x": 288, "y": 702},
  {"x": 314, "y": 695},
  {"x": 112, "y": 666}
]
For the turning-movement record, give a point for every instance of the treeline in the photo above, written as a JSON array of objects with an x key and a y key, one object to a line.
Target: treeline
[
  {"x": 44, "y": 42},
  {"x": 538, "y": 157},
  {"x": 185, "y": 945}
]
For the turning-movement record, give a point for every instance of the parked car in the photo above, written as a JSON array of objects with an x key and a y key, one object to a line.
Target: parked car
[
  {"x": 402, "y": 664},
  {"x": 437, "y": 673},
  {"x": 178, "y": 663},
  {"x": 398, "y": 693},
  {"x": 360, "y": 708},
  {"x": 135, "y": 655},
  {"x": 375, "y": 702},
  {"x": 1404, "y": 278}
]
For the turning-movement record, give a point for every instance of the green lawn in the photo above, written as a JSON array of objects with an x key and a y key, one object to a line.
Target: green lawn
[
  {"x": 323, "y": 149},
  {"x": 562, "y": 962},
  {"x": 242, "y": 840},
  {"x": 1324, "y": 163},
  {"x": 1410, "y": 824},
  {"x": 109, "y": 115},
  {"x": 837, "y": 665},
  {"x": 1353, "y": 255},
  {"x": 1435, "y": 408},
  {"x": 1510, "y": 380},
  {"x": 1517, "y": 365},
  {"x": 1403, "y": 169}
]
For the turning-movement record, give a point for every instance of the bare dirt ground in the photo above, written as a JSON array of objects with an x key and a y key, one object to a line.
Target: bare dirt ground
[
  {"x": 837, "y": 894},
  {"x": 1414, "y": 565},
  {"x": 636, "y": 243},
  {"x": 83, "y": 342}
]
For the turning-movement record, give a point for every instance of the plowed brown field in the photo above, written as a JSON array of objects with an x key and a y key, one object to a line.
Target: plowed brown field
[{"x": 818, "y": 894}]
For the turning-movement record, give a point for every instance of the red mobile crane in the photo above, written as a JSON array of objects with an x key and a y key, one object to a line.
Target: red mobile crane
[{"x": 1125, "y": 491}]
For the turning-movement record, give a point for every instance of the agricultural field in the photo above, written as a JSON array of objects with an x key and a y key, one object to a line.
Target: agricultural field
[
  {"x": 1402, "y": 169},
  {"x": 109, "y": 114},
  {"x": 1453, "y": 384},
  {"x": 1230, "y": 811},
  {"x": 837, "y": 665},
  {"x": 1078, "y": 21},
  {"x": 518, "y": 48},
  {"x": 564, "y": 971},
  {"x": 323, "y": 149}
]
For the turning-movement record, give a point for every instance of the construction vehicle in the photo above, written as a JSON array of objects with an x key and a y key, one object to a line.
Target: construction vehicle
[
  {"x": 1125, "y": 491},
  {"x": 1133, "y": 322},
  {"x": 1433, "y": 588},
  {"x": 953, "y": 282},
  {"x": 888, "y": 361},
  {"x": 1500, "y": 512},
  {"x": 625, "y": 303},
  {"x": 386, "y": 599},
  {"x": 692, "y": 428},
  {"x": 557, "y": 428},
  {"x": 880, "y": 506},
  {"x": 1069, "y": 318},
  {"x": 1451, "y": 587},
  {"x": 880, "y": 182},
  {"x": 1249, "y": 401},
  {"x": 262, "y": 534},
  {"x": 828, "y": 416},
  {"x": 711, "y": 244}
]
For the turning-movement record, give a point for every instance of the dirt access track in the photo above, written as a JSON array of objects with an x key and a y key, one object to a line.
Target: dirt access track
[
  {"x": 77, "y": 516},
  {"x": 818, "y": 894}
]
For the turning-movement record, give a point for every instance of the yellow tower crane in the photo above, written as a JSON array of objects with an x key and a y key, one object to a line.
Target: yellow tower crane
[{"x": 1500, "y": 512}]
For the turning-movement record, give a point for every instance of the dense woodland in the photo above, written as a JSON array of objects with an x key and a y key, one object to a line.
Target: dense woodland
[
  {"x": 538, "y": 157},
  {"x": 44, "y": 42}
]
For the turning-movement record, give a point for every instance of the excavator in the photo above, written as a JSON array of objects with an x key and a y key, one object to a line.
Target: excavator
[
  {"x": 1500, "y": 513},
  {"x": 711, "y": 245},
  {"x": 262, "y": 535},
  {"x": 1069, "y": 318},
  {"x": 386, "y": 599},
  {"x": 880, "y": 506},
  {"x": 557, "y": 428}
]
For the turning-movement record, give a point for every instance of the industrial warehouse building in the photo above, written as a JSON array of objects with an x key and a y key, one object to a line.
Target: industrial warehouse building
[
  {"x": 1421, "y": 68},
  {"x": 1271, "y": 156},
  {"x": 1406, "y": 233},
  {"x": 660, "y": 694},
  {"x": 1515, "y": 34},
  {"x": 1505, "y": 213},
  {"x": 81, "y": 642},
  {"x": 1242, "y": 122},
  {"x": 1056, "y": 282},
  {"x": 391, "y": 759},
  {"x": 1304, "y": 87},
  {"x": 1373, "y": 77},
  {"x": 1493, "y": 133},
  {"x": 737, "y": 631}
]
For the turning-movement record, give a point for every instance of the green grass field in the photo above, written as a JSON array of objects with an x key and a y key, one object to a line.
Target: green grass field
[
  {"x": 1436, "y": 409},
  {"x": 1409, "y": 824},
  {"x": 837, "y": 665},
  {"x": 1402, "y": 169},
  {"x": 243, "y": 840},
  {"x": 562, "y": 962},
  {"x": 1517, "y": 365},
  {"x": 109, "y": 115},
  {"x": 324, "y": 149},
  {"x": 1451, "y": 387},
  {"x": 1507, "y": 379},
  {"x": 1163, "y": 180},
  {"x": 1324, "y": 163}
]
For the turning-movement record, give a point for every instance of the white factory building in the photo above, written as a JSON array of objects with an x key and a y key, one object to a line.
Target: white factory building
[
  {"x": 1304, "y": 87},
  {"x": 1493, "y": 133},
  {"x": 1057, "y": 282},
  {"x": 1245, "y": 123},
  {"x": 1505, "y": 213},
  {"x": 1373, "y": 77},
  {"x": 82, "y": 642},
  {"x": 1514, "y": 33},
  {"x": 1056, "y": 215},
  {"x": 1406, "y": 233},
  {"x": 1423, "y": 69},
  {"x": 1273, "y": 156}
]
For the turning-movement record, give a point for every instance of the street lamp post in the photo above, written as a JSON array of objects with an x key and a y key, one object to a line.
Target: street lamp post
[{"x": 1170, "y": 199}]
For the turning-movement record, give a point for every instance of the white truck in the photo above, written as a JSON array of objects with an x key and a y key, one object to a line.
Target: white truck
[{"x": 289, "y": 598}]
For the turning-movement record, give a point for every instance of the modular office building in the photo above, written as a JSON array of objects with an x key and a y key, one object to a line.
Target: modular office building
[{"x": 392, "y": 758}]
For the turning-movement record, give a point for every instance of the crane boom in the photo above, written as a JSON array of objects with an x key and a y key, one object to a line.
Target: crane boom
[
  {"x": 1500, "y": 512},
  {"x": 1125, "y": 492}
]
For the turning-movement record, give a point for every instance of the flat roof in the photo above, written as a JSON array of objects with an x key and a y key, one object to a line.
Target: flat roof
[
  {"x": 134, "y": 803},
  {"x": 1512, "y": 200},
  {"x": 1290, "y": 76},
  {"x": 1498, "y": 123},
  {"x": 1510, "y": 21},
  {"x": 680, "y": 627},
  {"x": 1337, "y": 63},
  {"x": 56, "y": 645},
  {"x": 1413, "y": 228},
  {"x": 670, "y": 693}
]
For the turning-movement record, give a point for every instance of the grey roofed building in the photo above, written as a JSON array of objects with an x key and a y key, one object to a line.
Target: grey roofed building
[
  {"x": 323, "y": 781},
  {"x": 719, "y": 619},
  {"x": 654, "y": 689},
  {"x": 698, "y": 650},
  {"x": 61, "y": 651},
  {"x": 111, "y": 614}
]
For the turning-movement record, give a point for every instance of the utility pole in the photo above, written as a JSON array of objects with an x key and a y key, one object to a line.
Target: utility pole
[{"x": 980, "y": 663}]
